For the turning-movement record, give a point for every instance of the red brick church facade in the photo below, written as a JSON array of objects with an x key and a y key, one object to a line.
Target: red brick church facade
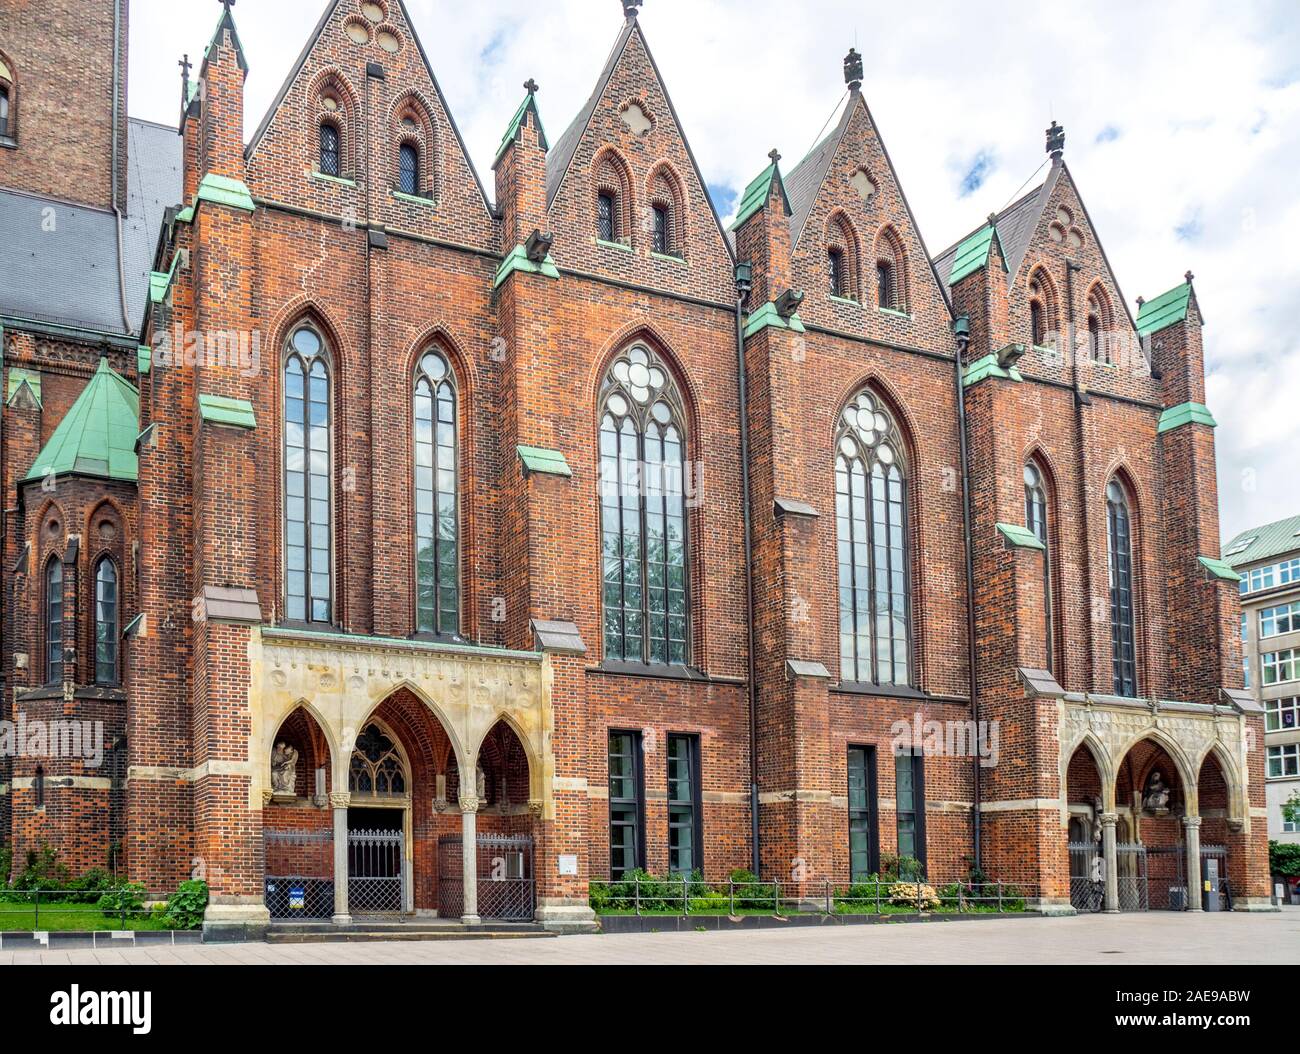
[{"x": 416, "y": 505}]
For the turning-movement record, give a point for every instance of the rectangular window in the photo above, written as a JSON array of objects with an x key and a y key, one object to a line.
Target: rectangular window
[
  {"x": 1284, "y": 618},
  {"x": 864, "y": 856},
  {"x": 1284, "y": 760},
  {"x": 685, "y": 837},
  {"x": 1283, "y": 574},
  {"x": 835, "y": 262},
  {"x": 626, "y": 804},
  {"x": 884, "y": 285},
  {"x": 1281, "y": 666},
  {"x": 661, "y": 244},
  {"x": 605, "y": 228},
  {"x": 1245, "y": 652},
  {"x": 1281, "y": 714},
  {"x": 909, "y": 805}
]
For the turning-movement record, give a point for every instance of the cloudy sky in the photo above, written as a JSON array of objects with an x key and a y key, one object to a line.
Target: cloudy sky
[{"x": 1182, "y": 121}]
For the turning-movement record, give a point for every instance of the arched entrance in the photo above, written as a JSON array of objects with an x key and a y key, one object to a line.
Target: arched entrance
[
  {"x": 1157, "y": 800},
  {"x": 379, "y": 824},
  {"x": 297, "y": 830},
  {"x": 1085, "y": 806},
  {"x": 488, "y": 871}
]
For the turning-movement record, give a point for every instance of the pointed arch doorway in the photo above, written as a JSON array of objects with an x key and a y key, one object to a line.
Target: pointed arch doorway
[{"x": 379, "y": 825}]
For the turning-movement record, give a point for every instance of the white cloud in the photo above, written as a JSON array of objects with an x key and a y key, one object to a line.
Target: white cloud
[{"x": 1200, "y": 106}]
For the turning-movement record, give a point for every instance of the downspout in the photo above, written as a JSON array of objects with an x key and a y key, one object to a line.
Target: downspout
[
  {"x": 117, "y": 103},
  {"x": 1080, "y": 400},
  {"x": 961, "y": 330},
  {"x": 743, "y": 280}
]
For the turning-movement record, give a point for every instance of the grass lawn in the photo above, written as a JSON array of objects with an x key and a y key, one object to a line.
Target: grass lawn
[{"x": 16, "y": 918}]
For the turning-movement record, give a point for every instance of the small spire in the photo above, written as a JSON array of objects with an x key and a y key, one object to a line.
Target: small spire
[
  {"x": 1055, "y": 141},
  {"x": 1189, "y": 276},
  {"x": 775, "y": 155},
  {"x": 1140, "y": 301},
  {"x": 531, "y": 86},
  {"x": 993, "y": 219},
  {"x": 630, "y": 9},
  {"x": 853, "y": 69},
  {"x": 185, "y": 66},
  {"x": 227, "y": 4}
]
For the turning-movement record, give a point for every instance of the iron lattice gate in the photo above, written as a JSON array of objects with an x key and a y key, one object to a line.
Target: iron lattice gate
[
  {"x": 299, "y": 874},
  {"x": 506, "y": 887},
  {"x": 1131, "y": 875},
  {"x": 376, "y": 870},
  {"x": 1086, "y": 877}
]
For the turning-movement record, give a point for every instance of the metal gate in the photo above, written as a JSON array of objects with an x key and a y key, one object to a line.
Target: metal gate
[
  {"x": 1086, "y": 877},
  {"x": 506, "y": 887},
  {"x": 299, "y": 868},
  {"x": 1131, "y": 877},
  {"x": 376, "y": 869}
]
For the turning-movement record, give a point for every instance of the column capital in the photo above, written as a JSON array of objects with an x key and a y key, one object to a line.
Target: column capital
[
  {"x": 535, "y": 806},
  {"x": 1109, "y": 819},
  {"x": 469, "y": 803},
  {"x": 1191, "y": 821},
  {"x": 340, "y": 799}
]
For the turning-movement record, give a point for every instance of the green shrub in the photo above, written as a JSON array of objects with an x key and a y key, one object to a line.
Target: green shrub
[
  {"x": 43, "y": 870},
  {"x": 126, "y": 897},
  {"x": 862, "y": 897},
  {"x": 186, "y": 906},
  {"x": 6, "y": 865},
  {"x": 751, "y": 894}
]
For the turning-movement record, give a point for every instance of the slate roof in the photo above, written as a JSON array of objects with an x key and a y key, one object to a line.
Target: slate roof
[
  {"x": 1273, "y": 539},
  {"x": 1015, "y": 227},
  {"x": 61, "y": 261},
  {"x": 97, "y": 436},
  {"x": 807, "y": 177}
]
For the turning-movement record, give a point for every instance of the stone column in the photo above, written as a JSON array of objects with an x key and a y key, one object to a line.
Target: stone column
[
  {"x": 1192, "y": 834},
  {"x": 469, "y": 859},
  {"x": 339, "y": 802},
  {"x": 1110, "y": 859}
]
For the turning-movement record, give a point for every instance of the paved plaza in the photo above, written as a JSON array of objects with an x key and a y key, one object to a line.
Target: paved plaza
[{"x": 1157, "y": 937}]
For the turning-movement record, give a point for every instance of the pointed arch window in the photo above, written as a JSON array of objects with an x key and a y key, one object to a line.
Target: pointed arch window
[
  {"x": 437, "y": 536},
  {"x": 1036, "y": 519},
  {"x": 408, "y": 169},
  {"x": 873, "y": 549},
  {"x": 662, "y": 230},
  {"x": 885, "y": 285},
  {"x": 1119, "y": 525},
  {"x": 1098, "y": 324},
  {"x": 54, "y": 621},
  {"x": 106, "y": 622},
  {"x": 377, "y": 767},
  {"x": 606, "y": 216},
  {"x": 643, "y": 512},
  {"x": 308, "y": 498},
  {"x": 839, "y": 274},
  {"x": 4, "y": 110},
  {"x": 330, "y": 163},
  {"x": 1037, "y": 330}
]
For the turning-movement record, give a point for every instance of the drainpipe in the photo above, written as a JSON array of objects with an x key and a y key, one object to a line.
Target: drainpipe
[
  {"x": 117, "y": 95},
  {"x": 1080, "y": 400},
  {"x": 744, "y": 281},
  {"x": 961, "y": 330}
]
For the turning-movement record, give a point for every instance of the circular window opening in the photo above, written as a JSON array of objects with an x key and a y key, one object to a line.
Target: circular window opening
[
  {"x": 1075, "y": 238},
  {"x": 330, "y": 103},
  {"x": 1057, "y": 233},
  {"x": 373, "y": 11},
  {"x": 389, "y": 41},
  {"x": 1064, "y": 217},
  {"x": 358, "y": 32}
]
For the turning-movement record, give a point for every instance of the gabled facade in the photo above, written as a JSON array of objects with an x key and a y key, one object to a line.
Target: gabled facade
[{"x": 515, "y": 542}]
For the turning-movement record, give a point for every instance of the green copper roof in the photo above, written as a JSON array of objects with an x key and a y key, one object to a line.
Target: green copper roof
[
  {"x": 1185, "y": 414},
  {"x": 767, "y": 315},
  {"x": 517, "y": 260},
  {"x": 517, "y": 122},
  {"x": 20, "y": 379},
  {"x": 1017, "y": 537},
  {"x": 97, "y": 436},
  {"x": 227, "y": 20},
  {"x": 143, "y": 359},
  {"x": 219, "y": 410},
  {"x": 756, "y": 194},
  {"x": 222, "y": 190},
  {"x": 1219, "y": 569},
  {"x": 1264, "y": 543},
  {"x": 545, "y": 462},
  {"x": 160, "y": 282},
  {"x": 1164, "y": 310},
  {"x": 973, "y": 254},
  {"x": 988, "y": 367}
]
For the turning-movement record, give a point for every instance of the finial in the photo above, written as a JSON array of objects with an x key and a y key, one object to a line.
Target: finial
[
  {"x": 993, "y": 219},
  {"x": 530, "y": 86},
  {"x": 630, "y": 8},
  {"x": 775, "y": 155},
  {"x": 853, "y": 69},
  {"x": 185, "y": 66},
  {"x": 1056, "y": 141},
  {"x": 1141, "y": 300},
  {"x": 1189, "y": 276},
  {"x": 227, "y": 4}
]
